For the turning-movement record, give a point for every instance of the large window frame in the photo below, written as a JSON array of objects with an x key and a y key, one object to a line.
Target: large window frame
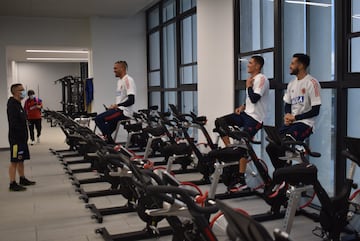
[
  {"x": 163, "y": 93},
  {"x": 341, "y": 81}
]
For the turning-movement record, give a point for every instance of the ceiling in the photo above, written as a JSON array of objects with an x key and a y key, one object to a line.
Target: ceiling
[
  {"x": 66, "y": 9},
  {"x": 73, "y": 8}
]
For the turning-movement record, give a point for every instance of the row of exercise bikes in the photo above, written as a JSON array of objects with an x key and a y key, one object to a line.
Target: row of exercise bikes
[{"x": 153, "y": 190}]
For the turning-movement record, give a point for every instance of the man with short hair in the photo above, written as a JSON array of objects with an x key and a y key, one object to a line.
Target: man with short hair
[
  {"x": 249, "y": 117},
  {"x": 123, "y": 108},
  {"x": 18, "y": 137},
  {"x": 302, "y": 105}
]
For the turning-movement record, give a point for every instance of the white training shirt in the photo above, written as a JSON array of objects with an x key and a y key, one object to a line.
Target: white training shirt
[
  {"x": 258, "y": 110},
  {"x": 125, "y": 86},
  {"x": 302, "y": 95}
]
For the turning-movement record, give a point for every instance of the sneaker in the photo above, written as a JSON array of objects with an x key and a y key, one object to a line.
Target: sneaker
[
  {"x": 275, "y": 191},
  {"x": 238, "y": 183},
  {"x": 38, "y": 139},
  {"x": 26, "y": 182},
  {"x": 240, "y": 186},
  {"x": 14, "y": 187},
  {"x": 32, "y": 143}
]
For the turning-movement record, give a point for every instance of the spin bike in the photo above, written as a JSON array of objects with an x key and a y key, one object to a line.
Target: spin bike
[{"x": 334, "y": 211}]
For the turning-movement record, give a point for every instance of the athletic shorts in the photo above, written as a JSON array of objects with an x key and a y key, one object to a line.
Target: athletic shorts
[
  {"x": 297, "y": 130},
  {"x": 19, "y": 152}
]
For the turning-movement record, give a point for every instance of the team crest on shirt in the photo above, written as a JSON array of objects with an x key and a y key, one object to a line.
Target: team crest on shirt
[{"x": 303, "y": 91}]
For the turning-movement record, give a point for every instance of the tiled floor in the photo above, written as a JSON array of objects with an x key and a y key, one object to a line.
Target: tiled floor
[{"x": 52, "y": 211}]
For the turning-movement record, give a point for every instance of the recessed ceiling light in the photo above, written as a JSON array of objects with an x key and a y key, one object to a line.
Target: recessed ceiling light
[
  {"x": 57, "y": 51},
  {"x": 310, "y": 3},
  {"x": 58, "y": 59}
]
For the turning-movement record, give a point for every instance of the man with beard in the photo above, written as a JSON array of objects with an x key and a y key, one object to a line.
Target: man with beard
[
  {"x": 302, "y": 105},
  {"x": 125, "y": 100}
]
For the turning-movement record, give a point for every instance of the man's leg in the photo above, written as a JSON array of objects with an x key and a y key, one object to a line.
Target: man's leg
[
  {"x": 299, "y": 131},
  {"x": 25, "y": 155},
  {"x": 38, "y": 129},
  {"x": 113, "y": 124},
  {"x": 31, "y": 130},
  {"x": 102, "y": 120},
  {"x": 274, "y": 152},
  {"x": 222, "y": 125},
  {"x": 251, "y": 126},
  {"x": 12, "y": 169}
]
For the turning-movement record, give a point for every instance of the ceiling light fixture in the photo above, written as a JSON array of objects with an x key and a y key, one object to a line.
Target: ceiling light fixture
[
  {"x": 57, "y": 51},
  {"x": 58, "y": 59},
  {"x": 357, "y": 16},
  {"x": 310, "y": 3}
]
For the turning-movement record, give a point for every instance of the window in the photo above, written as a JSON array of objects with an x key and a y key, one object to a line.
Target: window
[
  {"x": 355, "y": 16},
  {"x": 276, "y": 30},
  {"x": 172, "y": 54},
  {"x": 256, "y": 25},
  {"x": 304, "y": 27},
  {"x": 186, "y": 5},
  {"x": 188, "y": 67},
  {"x": 354, "y": 53},
  {"x": 169, "y": 56},
  {"x": 154, "y": 56}
]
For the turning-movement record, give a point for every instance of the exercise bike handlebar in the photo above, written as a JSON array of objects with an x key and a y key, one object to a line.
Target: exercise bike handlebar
[
  {"x": 290, "y": 146},
  {"x": 160, "y": 191},
  {"x": 350, "y": 156}
]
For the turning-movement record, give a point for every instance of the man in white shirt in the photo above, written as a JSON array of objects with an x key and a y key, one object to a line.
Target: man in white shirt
[
  {"x": 249, "y": 117},
  {"x": 123, "y": 108},
  {"x": 302, "y": 105}
]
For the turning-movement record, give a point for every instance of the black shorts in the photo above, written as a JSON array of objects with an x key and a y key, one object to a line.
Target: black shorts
[{"x": 19, "y": 152}]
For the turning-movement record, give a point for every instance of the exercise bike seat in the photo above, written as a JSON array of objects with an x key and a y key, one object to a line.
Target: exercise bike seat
[
  {"x": 156, "y": 131},
  {"x": 228, "y": 154},
  {"x": 303, "y": 173},
  {"x": 177, "y": 149}
]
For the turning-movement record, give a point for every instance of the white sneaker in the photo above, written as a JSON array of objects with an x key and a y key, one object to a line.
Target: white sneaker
[
  {"x": 38, "y": 140},
  {"x": 32, "y": 142}
]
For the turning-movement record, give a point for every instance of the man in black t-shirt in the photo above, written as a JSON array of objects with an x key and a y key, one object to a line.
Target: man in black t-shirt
[{"x": 18, "y": 137}]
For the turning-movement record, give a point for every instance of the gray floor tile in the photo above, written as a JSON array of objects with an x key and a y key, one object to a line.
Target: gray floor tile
[{"x": 52, "y": 211}]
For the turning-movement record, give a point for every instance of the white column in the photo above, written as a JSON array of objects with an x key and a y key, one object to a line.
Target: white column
[{"x": 215, "y": 58}]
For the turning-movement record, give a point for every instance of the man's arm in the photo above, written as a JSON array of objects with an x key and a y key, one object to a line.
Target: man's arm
[
  {"x": 130, "y": 101},
  {"x": 287, "y": 108},
  {"x": 315, "y": 110},
  {"x": 253, "y": 96},
  {"x": 289, "y": 118}
]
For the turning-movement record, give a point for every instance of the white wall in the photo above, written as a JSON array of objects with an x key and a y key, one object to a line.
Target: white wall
[
  {"x": 107, "y": 39},
  {"x": 113, "y": 40},
  {"x": 34, "y": 32},
  {"x": 215, "y": 58},
  {"x": 40, "y": 77},
  {"x": 118, "y": 39}
]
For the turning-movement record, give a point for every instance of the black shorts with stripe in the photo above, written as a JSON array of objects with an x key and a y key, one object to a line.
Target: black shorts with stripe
[{"x": 19, "y": 152}]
